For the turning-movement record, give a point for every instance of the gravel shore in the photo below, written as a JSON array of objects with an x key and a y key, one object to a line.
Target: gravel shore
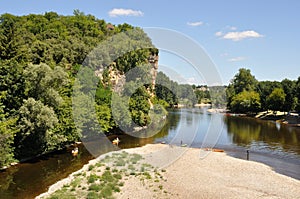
[{"x": 194, "y": 173}]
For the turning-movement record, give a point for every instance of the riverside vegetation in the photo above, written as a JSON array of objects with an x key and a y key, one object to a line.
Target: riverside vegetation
[
  {"x": 245, "y": 94},
  {"x": 40, "y": 57}
]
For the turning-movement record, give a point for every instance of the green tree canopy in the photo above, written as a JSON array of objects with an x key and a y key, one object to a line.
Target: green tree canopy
[
  {"x": 36, "y": 120},
  {"x": 276, "y": 99},
  {"x": 245, "y": 102},
  {"x": 242, "y": 81}
]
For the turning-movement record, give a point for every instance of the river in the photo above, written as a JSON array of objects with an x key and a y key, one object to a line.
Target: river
[{"x": 267, "y": 141}]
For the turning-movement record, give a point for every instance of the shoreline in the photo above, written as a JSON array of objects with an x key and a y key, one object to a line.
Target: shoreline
[
  {"x": 211, "y": 170},
  {"x": 284, "y": 119}
]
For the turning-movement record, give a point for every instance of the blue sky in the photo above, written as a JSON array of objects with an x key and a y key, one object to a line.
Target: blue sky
[{"x": 260, "y": 35}]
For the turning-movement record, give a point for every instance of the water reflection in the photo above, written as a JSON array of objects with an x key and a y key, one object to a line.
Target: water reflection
[
  {"x": 263, "y": 135},
  {"x": 189, "y": 126}
]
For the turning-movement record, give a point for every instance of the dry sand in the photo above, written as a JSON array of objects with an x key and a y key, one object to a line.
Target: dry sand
[{"x": 215, "y": 176}]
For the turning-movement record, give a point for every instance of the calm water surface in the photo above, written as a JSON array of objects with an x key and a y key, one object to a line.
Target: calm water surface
[{"x": 268, "y": 142}]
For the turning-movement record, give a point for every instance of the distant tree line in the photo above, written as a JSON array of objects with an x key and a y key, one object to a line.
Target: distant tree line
[
  {"x": 174, "y": 93},
  {"x": 245, "y": 94}
]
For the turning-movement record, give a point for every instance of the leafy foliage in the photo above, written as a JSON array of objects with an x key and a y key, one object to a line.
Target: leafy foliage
[
  {"x": 274, "y": 95},
  {"x": 35, "y": 121},
  {"x": 40, "y": 56},
  {"x": 276, "y": 99},
  {"x": 246, "y": 101}
]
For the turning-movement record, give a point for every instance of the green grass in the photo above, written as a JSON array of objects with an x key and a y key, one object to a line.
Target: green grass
[
  {"x": 120, "y": 163},
  {"x": 147, "y": 175},
  {"x": 117, "y": 176},
  {"x": 76, "y": 182},
  {"x": 99, "y": 164},
  {"x": 94, "y": 187},
  {"x": 91, "y": 167},
  {"x": 92, "y": 178},
  {"x": 135, "y": 158},
  {"x": 62, "y": 194},
  {"x": 107, "y": 177},
  {"x": 124, "y": 154},
  {"x": 93, "y": 195},
  {"x": 131, "y": 167},
  {"x": 106, "y": 191},
  {"x": 109, "y": 182},
  {"x": 115, "y": 170}
]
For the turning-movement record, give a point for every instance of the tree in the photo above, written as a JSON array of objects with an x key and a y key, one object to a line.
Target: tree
[
  {"x": 44, "y": 83},
  {"x": 36, "y": 120},
  {"x": 12, "y": 86},
  {"x": 289, "y": 88},
  {"x": 276, "y": 100},
  {"x": 105, "y": 117},
  {"x": 246, "y": 102},
  {"x": 7, "y": 133},
  {"x": 297, "y": 95},
  {"x": 265, "y": 88},
  {"x": 242, "y": 81},
  {"x": 165, "y": 89}
]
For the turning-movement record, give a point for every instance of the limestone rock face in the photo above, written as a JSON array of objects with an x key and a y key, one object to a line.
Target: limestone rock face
[
  {"x": 153, "y": 60},
  {"x": 117, "y": 79}
]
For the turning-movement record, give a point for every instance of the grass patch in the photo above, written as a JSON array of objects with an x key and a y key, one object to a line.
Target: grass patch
[
  {"x": 146, "y": 165},
  {"x": 135, "y": 158},
  {"x": 124, "y": 154},
  {"x": 114, "y": 167},
  {"x": 99, "y": 164},
  {"x": 92, "y": 195},
  {"x": 115, "y": 170},
  {"x": 107, "y": 177},
  {"x": 95, "y": 187},
  {"x": 147, "y": 175},
  {"x": 62, "y": 194},
  {"x": 91, "y": 167},
  {"x": 117, "y": 176},
  {"x": 106, "y": 192},
  {"x": 120, "y": 163},
  {"x": 131, "y": 167},
  {"x": 76, "y": 182},
  {"x": 93, "y": 178}
]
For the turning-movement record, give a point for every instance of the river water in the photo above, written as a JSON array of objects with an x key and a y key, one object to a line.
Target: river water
[{"x": 269, "y": 142}]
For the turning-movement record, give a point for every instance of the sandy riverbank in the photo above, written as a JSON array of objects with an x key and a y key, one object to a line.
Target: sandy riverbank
[{"x": 186, "y": 175}]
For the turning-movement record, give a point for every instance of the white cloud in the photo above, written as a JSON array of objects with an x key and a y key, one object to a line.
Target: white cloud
[
  {"x": 237, "y": 36},
  {"x": 219, "y": 34},
  {"x": 236, "y": 59},
  {"x": 125, "y": 12},
  {"x": 197, "y": 23}
]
